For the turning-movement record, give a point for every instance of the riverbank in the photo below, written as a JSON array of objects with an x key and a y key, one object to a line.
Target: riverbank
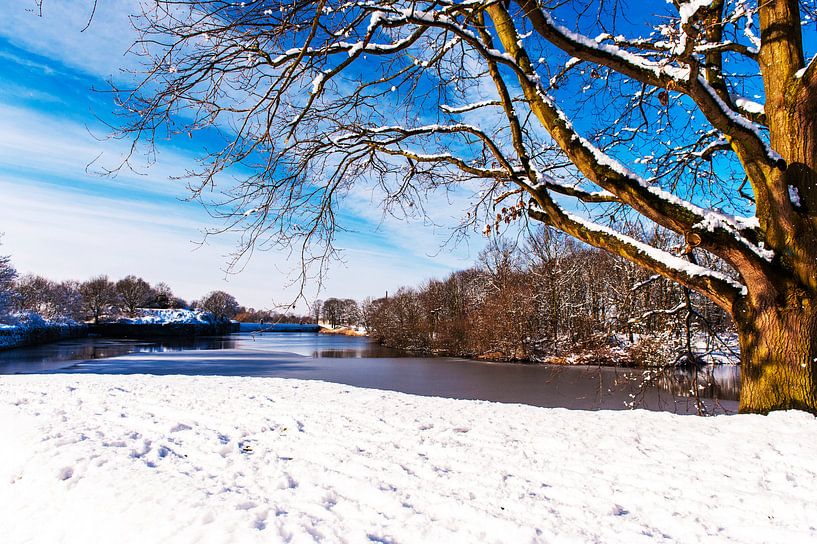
[
  {"x": 343, "y": 331},
  {"x": 212, "y": 459},
  {"x": 162, "y": 330},
  {"x": 646, "y": 353},
  {"x": 36, "y": 334},
  {"x": 43, "y": 332}
]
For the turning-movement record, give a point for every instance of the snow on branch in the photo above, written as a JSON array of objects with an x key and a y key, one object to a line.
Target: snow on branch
[
  {"x": 682, "y": 77},
  {"x": 715, "y": 228},
  {"x": 552, "y": 184},
  {"x": 469, "y": 107}
]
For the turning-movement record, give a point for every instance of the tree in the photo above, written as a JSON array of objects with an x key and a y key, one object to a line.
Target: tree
[
  {"x": 550, "y": 106},
  {"x": 315, "y": 311},
  {"x": 66, "y": 300},
  {"x": 332, "y": 311},
  {"x": 134, "y": 293},
  {"x": 162, "y": 297},
  {"x": 350, "y": 312},
  {"x": 222, "y": 305},
  {"x": 99, "y": 297},
  {"x": 49, "y": 299},
  {"x": 7, "y": 276}
]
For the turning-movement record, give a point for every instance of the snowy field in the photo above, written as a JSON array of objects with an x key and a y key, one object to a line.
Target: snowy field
[{"x": 214, "y": 459}]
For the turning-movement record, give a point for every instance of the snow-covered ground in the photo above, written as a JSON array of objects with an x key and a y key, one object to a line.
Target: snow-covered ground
[
  {"x": 161, "y": 316},
  {"x": 214, "y": 459}
]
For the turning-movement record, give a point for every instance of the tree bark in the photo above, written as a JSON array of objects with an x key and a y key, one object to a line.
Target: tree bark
[{"x": 778, "y": 353}]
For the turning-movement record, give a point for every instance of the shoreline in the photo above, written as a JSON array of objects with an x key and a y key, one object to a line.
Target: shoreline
[
  {"x": 586, "y": 358},
  {"x": 39, "y": 335}
]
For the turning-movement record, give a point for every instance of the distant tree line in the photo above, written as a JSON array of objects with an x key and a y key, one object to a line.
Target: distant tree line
[
  {"x": 251, "y": 315},
  {"x": 333, "y": 312},
  {"x": 544, "y": 298},
  {"x": 101, "y": 298},
  {"x": 98, "y": 298}
]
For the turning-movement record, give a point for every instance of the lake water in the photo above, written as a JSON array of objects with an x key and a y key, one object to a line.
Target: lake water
[{"x": 356, "y": 361}]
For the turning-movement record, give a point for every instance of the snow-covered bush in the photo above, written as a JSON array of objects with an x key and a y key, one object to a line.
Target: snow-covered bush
[
  {"x": 162, "y": 316},
  {"x": 661, "y": 349}
]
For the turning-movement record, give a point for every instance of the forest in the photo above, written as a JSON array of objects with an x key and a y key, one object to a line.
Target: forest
[
  {"x": 545, "y": 297},
  {"x": 29, "y": 299}
]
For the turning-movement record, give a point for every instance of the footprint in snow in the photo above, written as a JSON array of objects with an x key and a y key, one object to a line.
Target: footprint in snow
[{"x": 619, "y": 510}]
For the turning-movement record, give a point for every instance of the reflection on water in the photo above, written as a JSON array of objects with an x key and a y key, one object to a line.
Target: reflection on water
[
  {"x": 354, "y": 361},
  {"x": 369, "y": 351},
  {"x": 718, "y": 382},
  {"x": 58, "y": 355}
]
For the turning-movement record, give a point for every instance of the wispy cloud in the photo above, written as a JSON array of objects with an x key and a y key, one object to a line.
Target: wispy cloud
[
  {"x": 63, "y": 221},
  {"x": 99, "y": 51}
]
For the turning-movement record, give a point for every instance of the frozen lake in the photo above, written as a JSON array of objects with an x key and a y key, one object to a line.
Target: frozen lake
[{"x": 355, "y": 361}]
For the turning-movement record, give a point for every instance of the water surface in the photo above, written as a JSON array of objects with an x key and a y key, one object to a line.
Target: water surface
[{"x": 357, "y": 362}]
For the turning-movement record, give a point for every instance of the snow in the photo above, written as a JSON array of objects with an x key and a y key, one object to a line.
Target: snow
[
  {"x": 749, "y": 106},
  {"x": 740, "y": 120},
  {"x": 468, "y": 107},
  {"x": 802, "y": 71},
  {"x": 713, "y": 221},
  {"x": 678, "y": 73},
  {"x": 161, "y": 316},
  {"x": 794, "y": 196},
  {"x": 21, "y": 326},
  {"x": 688, "y": 10},
  {"x": 213, "y": 459},
  {"x": 658, "y": 255},
  {"x": 317, "y": 83}
]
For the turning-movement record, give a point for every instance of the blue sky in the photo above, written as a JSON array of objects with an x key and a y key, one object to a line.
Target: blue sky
[{"x": 63, "y": 220}]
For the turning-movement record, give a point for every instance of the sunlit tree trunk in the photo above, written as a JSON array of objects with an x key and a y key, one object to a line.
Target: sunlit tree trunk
[
  {"x": 777, "y": 322},
  {"x": 778, "y": 350}
]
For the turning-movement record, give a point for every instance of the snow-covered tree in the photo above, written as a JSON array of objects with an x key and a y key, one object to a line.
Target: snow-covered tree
[
  {"x": 698, "y": 116},
  {"x": 7, "y": 276},
  {"x": 49, "y": 299}
]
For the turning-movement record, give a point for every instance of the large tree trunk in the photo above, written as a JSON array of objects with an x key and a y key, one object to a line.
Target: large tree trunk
[
  {"x": 778, "y": 352},
  {"x": 778, "y": 321}
]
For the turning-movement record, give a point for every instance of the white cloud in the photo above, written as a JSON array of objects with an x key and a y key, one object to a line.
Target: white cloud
[
  {"x": 99, "y": 50},
  {"x": 48, "y": 145},
  {"x": 63, "y": 235},
  {"x": 62, "y": 222}
]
